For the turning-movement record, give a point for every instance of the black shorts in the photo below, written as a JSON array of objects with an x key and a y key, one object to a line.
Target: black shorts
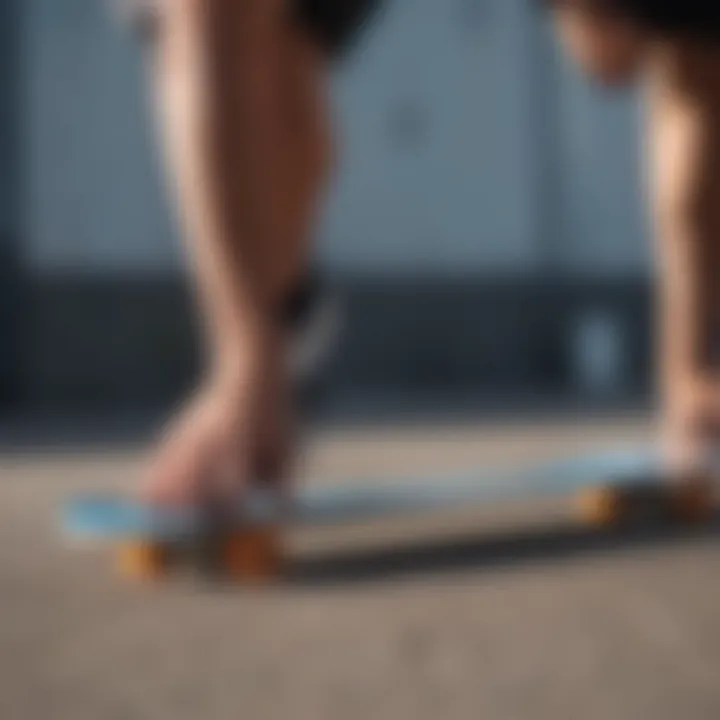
[
  {"x": 671, "y": 18},
  {"x": 695, "y": 18},
  {"x": 334, "y": 24}
]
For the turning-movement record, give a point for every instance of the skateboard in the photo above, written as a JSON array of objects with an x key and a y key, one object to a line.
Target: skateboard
[{"x": 245, "y": 542}]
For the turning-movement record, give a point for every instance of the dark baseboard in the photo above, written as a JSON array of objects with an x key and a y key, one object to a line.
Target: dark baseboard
[
  {"x": 130, "y": 343},
  {"x": 12, "y": 314}
]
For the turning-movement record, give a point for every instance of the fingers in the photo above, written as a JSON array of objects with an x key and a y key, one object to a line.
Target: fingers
[{"x": 691, "y": 428}]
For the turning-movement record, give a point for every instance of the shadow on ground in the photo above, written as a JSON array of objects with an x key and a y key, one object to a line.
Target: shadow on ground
[{"x": 474, "y": 554}]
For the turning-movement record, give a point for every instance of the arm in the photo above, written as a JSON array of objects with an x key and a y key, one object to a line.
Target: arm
[
  {"x": 684, "y": 123},
  {"x": 606, "y": 45}
]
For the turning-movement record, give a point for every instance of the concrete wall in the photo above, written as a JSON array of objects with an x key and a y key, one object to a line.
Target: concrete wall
[
  {"x": 438, "y": 117},
  {"x": 94, "y": 198},
  {"x": 604, "y": 228},
  {"x": 9, "y": 120},
  {"x": 480, "y": 183},
  {"x": 438, "y": 163},
  {"x": 10, "y": 226}
]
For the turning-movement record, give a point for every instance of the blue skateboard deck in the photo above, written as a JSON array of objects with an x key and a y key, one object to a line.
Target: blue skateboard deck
[{"x": 115, "y": 518}]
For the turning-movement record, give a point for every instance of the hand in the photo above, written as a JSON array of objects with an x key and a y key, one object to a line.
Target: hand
[
  {"x": 692, "y": 421},
  {"x": 233, "y": 433}
]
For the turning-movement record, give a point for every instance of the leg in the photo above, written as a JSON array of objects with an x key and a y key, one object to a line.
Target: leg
[
  {"x": 219, "y": 69},
  {"x": 223, "y": 76},
  {"x": 308, "y": 151},
  {"x": 308, "y": 148}
]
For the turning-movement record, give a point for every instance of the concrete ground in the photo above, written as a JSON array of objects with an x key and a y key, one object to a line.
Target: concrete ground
[{"x": 500, "y": 613}]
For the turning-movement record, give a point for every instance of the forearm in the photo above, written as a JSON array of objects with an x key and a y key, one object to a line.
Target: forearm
[
  {"x": 682, "y": 129},
  {"x": 689, "y": 378},
  {"x": 685, "y": 328}
]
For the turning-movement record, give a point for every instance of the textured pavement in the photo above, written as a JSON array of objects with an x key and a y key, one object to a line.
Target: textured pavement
[{"x": 500, "y": 613}]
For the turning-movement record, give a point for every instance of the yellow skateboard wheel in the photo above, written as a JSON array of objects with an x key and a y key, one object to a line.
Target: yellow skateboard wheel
[
  {"x": 601, "y": 506},
  {"x": 253, "y": 554},
  {"x": 142, "y": 560},
  {"x": 693, "y": 502}
]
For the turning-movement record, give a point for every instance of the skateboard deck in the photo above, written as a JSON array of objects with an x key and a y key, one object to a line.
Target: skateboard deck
[{"x": 612, "y": 487}]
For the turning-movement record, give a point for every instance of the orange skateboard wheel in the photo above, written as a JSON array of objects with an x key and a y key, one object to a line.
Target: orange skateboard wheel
[
  {"x": 142, "y": 560},
  {"x": 601, "y": 506},
  {"x": 253, "y": 554},
  {"x": 693, "y": 502}
]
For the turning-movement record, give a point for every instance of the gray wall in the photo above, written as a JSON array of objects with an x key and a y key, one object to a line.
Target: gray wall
[
  {"x": 438, "y": 115},
  {"x": 10, "y": 226},
  {"x": 436, "y": 120},
  {"x": 604, "y": 226},
  {"x": 93, "y": 189},
  {"x": 481, "y": 184}
]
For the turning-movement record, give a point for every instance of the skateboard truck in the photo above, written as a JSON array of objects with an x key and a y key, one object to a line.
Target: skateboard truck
[
  {"x": 148, "y": 542},
  {"x": 252, "y": 554},
  {"x": 684, "y": 494},
  {"x": 687, "y": 501}
]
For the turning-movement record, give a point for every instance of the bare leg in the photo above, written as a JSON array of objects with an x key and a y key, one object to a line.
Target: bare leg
[
  {"x": 309, "y": 146},
  {"x": 223, "y": 80},
  {"x": 308, "y": 149}
]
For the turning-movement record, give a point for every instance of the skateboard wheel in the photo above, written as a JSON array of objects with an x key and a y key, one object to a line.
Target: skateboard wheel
[
  {"x": 601, "y": 507},
  {"x": 142, "y": 560},
  {"x": 253, "y": 555},
  {"x": 692, "y": 502}
]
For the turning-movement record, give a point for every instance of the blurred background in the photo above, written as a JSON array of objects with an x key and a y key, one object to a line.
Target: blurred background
[
  {"x": 486, "y": 235},
  {"x": 485, "y": 232}
]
